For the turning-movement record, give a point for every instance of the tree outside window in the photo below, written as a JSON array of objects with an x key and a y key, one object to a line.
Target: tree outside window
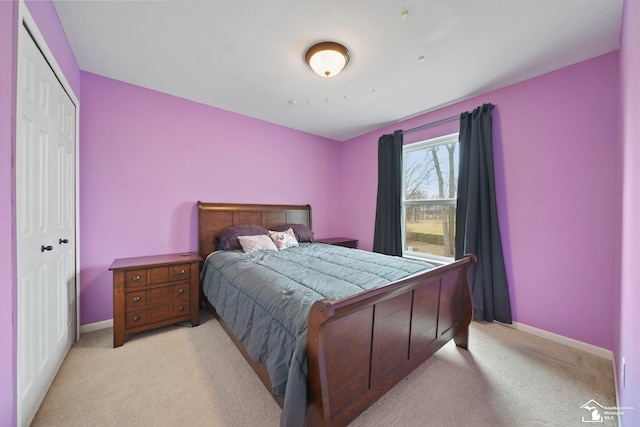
[{"x": 430, "y": 190}]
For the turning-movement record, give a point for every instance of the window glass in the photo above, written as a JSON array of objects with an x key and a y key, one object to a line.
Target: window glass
[{"x": 430, "y": 179}]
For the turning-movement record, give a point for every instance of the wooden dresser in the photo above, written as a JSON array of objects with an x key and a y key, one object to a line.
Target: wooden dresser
[{"x": 154, "y": 291}]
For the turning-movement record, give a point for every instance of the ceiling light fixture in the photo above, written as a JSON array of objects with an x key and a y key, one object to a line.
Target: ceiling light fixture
[
  {"x": 404, "y": 13},
  {"x": 327, "y": 58}
]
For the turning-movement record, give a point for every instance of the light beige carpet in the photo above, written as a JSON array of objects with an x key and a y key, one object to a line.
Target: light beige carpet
[{"x": 183, "y": 376}]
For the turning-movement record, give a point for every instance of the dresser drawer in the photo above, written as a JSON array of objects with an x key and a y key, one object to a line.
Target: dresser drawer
[
  {"x": 156, "y": 275},
  {"x": 180, "y": 308},
  {"x": 136, "y": 278},
  {"x": 135, "y": 299},
  {"x": 147, "y": 276},
  {"x": 180, "y": 272},
  {"x": 136, "y": 317},
  {"x": 142, "y": 298},
  {"x": 141, "y": 316},
  {"x": 181, "y": 292},
  {"x": 168, "y": 310}
]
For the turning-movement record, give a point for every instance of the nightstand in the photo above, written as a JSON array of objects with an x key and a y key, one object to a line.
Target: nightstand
[
  {"x": 154, "y": 291},
  {"x": 347, "y": 242}
]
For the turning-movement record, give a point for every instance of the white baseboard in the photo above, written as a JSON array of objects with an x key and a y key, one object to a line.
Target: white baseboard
[
  {"x": 569, "y": 342},
  {"x": 96, "y": 326}
]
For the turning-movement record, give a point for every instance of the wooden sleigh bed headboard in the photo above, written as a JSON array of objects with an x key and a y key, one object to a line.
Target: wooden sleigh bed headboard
[
  {"x": 215, "y": 217},
  {"x": 396, "y": 327}
]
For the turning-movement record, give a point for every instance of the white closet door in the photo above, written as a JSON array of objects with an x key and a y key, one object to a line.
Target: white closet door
[
  {"x": 65, "y": 221},
  {"x": 45, "y": 223}
]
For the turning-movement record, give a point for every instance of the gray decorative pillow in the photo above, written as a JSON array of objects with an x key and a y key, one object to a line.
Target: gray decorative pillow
[
  {"x": 257, "y": 243},
  {"x": 283, "y": 239}
]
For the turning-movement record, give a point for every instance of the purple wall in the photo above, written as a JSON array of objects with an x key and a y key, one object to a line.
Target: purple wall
[
  {"x": 629, "y": 315},
  {"x": 147, "y": 157},
  {"x": 47, "y": 20},
  {"x": 557, "y": 157}
]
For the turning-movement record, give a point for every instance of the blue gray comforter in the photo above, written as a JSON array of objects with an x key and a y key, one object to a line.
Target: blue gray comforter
[{"x": 265, "y": 298}]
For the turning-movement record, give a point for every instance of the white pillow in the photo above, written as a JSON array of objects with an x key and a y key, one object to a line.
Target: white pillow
[
  {"x": 260, "y": 242},
  {"x": 283, "y": 239}
]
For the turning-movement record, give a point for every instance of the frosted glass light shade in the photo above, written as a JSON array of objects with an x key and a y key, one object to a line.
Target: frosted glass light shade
[{"x": 327, "y": 58}]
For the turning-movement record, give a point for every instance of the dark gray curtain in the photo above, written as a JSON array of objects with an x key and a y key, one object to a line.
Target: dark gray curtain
[
  {"x": 387, "y": 237},
  {"x": 477, "y": 229}
]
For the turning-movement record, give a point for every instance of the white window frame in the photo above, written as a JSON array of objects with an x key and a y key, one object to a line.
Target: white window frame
[{"x": 421, "y": 145}]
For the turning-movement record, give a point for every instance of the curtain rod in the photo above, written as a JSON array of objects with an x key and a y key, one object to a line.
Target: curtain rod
[{"x": 428, "y": 125}]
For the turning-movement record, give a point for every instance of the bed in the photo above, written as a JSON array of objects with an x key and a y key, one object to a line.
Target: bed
[{"x": 350, "y": 348}]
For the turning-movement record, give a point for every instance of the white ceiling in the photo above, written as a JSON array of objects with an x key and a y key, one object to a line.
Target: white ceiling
[{"x": 247, "y": 56}]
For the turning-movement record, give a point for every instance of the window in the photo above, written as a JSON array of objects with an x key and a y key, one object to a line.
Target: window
[{"x": 430, "y": 179}]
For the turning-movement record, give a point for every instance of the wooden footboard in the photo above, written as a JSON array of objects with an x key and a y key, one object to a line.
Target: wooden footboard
[{"x": 361, "y": 346}]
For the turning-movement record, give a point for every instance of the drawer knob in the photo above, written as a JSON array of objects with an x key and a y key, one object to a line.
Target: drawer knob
[
  {"x": 136, "y": 278},
  {"x": 181, "y": 291},
  {"x": 181, "y": 271},
  {"x": 136, "y": 299},
  {"x": 136, "y": 318},
  {"x": 181, "y": 308}
]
